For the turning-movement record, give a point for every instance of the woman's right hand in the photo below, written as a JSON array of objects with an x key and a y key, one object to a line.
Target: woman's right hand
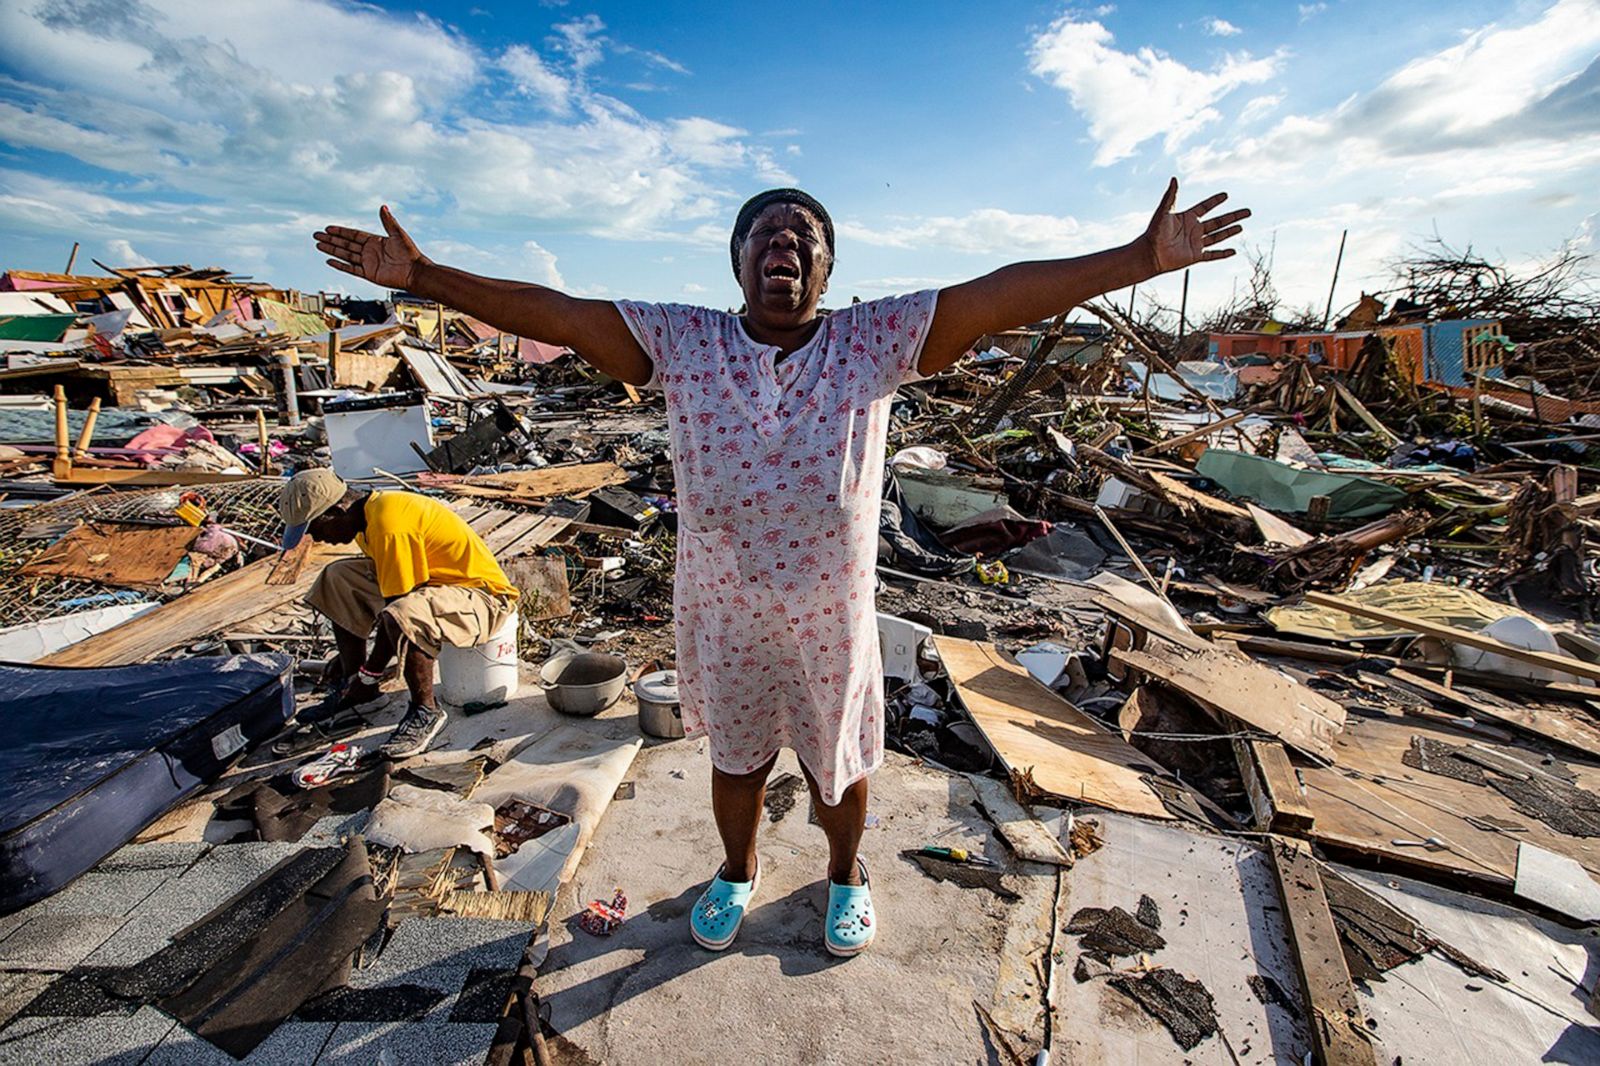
[{"x": 390, "y": 260}]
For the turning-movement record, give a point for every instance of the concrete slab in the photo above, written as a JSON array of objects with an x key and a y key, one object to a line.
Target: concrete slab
[
  {"x": 649, "y": 994},
  {"x": 105, "y": 1041},
  {"x": 408, "y": 1044},
  {"x": 1221, "y": 919}
]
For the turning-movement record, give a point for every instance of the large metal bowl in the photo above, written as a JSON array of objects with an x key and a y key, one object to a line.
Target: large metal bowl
[{"x": 583, "y": 683}]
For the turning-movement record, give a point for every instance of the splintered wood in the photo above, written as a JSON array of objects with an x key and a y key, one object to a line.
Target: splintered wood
[
  {"x": 1067, "y": 753},
  {"x": 1247, "y": 691},
  {"x": 208, "y": 609}
]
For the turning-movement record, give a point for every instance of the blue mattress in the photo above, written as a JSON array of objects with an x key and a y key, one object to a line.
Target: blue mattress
[{"x": 93, "y": 756}]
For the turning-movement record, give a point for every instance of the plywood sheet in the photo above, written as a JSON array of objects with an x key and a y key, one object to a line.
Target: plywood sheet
[
  {"x": 212, "y": 607},
  {"x": 574, "y": 480},
  {"x": 114, "y": 553},
  {"x": 1247, "y": 691},
  {"x": 1067, "y": 753},
  {"x": 1371, "y": 799}
]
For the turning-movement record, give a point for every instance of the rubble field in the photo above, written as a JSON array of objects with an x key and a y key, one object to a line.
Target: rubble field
[{"x": 1241, "y": 684}]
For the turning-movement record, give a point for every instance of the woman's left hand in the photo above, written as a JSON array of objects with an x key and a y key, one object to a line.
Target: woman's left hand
[{"x": 1182, "y": 238}]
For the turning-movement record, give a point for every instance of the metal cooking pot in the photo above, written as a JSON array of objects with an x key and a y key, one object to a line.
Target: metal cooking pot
[
  {"x": 583, "y": 683},
  {"x": 659, "y": 713}
]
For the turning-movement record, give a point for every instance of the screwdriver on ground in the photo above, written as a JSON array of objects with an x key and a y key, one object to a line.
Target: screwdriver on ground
[{"x": 956, "y": 855}]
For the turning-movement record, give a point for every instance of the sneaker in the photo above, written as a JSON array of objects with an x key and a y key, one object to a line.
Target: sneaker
[{"x": 414, "y": 733}]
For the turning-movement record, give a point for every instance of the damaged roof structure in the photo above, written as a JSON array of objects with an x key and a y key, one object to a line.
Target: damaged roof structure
[{"x": 1241, "y": 696}]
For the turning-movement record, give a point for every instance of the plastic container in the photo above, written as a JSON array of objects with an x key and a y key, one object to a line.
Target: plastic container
[
  {"x": 659, "y": 712},
  {"x": 585, "y": 683},
  {"x": 486, "y": 673}
]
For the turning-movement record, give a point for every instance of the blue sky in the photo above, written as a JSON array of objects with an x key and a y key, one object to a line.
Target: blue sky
[{"x": 604, "y": 147}]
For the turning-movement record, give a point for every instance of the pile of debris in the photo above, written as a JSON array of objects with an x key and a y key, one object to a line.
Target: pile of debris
[{"x": 1247, "y": 641}]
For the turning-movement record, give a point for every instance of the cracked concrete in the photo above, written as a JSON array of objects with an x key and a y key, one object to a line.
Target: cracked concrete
[{"x": 649, "y": 994}]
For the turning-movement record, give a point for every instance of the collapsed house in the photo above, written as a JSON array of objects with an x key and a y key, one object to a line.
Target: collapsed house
[{"x": 1241, "y": 695}]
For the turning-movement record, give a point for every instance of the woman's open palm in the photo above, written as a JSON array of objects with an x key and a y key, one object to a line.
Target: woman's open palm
[{"x": 389, "y": 260}]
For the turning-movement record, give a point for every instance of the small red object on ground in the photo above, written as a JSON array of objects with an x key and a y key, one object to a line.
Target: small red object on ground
[{"x": 601, "y": 918}]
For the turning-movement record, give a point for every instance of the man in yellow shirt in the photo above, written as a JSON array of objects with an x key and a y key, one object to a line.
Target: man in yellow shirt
[{"x": 424, "y": 578}]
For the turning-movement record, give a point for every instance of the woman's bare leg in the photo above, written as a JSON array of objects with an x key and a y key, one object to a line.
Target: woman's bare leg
[
  {"x": 736, "y": 802},
  {"x": 843, "y": 824}
]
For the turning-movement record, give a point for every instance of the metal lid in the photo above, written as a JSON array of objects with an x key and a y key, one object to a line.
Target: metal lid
[{"x": 659, "y": 687}]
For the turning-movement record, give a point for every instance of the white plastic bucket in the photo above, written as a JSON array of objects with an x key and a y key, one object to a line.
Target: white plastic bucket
[{"x": 486, "y": 673}]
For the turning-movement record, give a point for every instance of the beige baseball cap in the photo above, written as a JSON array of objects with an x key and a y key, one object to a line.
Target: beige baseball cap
[{"x": 305, "y": 496}]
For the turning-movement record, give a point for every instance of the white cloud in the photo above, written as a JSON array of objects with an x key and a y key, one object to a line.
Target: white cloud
[
  {"x": 1130, "y": 97},
  {"x": 1502, "y": 87},
  {"x": 1309, "y": 11},
  {"x": 992, "y": 231},
  {"x": 1259, "y": 106},
  {"x": 257, "y": 111},
  {"x": 124, "y": 254},
  {"x": 541, "y": 265},
  {"x": 1220, "y": 27},
  {"x": 533, "y": 78},
  {"x": 694, "y": 288}
]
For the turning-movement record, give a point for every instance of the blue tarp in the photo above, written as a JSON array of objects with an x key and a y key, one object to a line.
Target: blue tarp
[{"x": 93, "y": 756}]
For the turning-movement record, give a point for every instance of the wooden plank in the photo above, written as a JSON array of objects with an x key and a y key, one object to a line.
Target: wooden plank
[
  {"x": 1577, "y": 732},
  {"x": 210, "y": 608},
  {"x": 1338, "y": 1031},
  {"x": 1028, "y": 838},
  {"x": 506, "y": 533},
  {"x": 1361, "y": 412},
  {"x": 1195, "y": 434},
  {"x": 1561, "y": 663},
  {"x": 287, "y": 567},
  {"x": 88, "y": 475},
  {"x": 1034, "y": 731},
  {"x": 1273, "y": 788},
  {"x": 541, "y": 533},
  {"x": 1247, "y": 691},
  {"x": 360, "y": 370},
  {"x": 1372, "y": 799},
  {"x": 575, "y": 480}
]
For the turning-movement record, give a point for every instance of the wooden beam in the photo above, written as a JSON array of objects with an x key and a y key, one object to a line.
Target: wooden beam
[
  {"x": 81, "y": 451},
  {"x": 1245, "y": 691},
  {"x": 1579, "y": 732},
  {"x": 1561, "y": 663},
  {"x": 1195, "y": 434},
  {"x": 211, "y": 608},
  {"x": 1360, "y": 409},
  {"x": 1338, "y": 1031},
  {"x": 1273, "y": 786}
]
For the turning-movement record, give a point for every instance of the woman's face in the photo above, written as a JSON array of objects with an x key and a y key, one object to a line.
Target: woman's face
[{"x": 784, "y": 262}]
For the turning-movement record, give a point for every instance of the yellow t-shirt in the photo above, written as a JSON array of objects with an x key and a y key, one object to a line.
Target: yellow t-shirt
[{"x": 416, "y": 540}]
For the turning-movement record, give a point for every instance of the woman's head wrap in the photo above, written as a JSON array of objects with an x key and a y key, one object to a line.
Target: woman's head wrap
[{"x": 754, "y": 206}]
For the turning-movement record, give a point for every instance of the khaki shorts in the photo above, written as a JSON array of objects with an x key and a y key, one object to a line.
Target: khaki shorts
[{"x": 429, "y": 616}]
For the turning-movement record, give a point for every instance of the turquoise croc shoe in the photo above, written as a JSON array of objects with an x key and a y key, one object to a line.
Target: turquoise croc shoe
[
  {"x": 851, "y": 921},
  {"x": 719, "y": 912}
]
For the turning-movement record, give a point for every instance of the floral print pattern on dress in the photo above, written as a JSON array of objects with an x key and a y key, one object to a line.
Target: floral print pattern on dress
[{"x": 779, "y": 471}]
